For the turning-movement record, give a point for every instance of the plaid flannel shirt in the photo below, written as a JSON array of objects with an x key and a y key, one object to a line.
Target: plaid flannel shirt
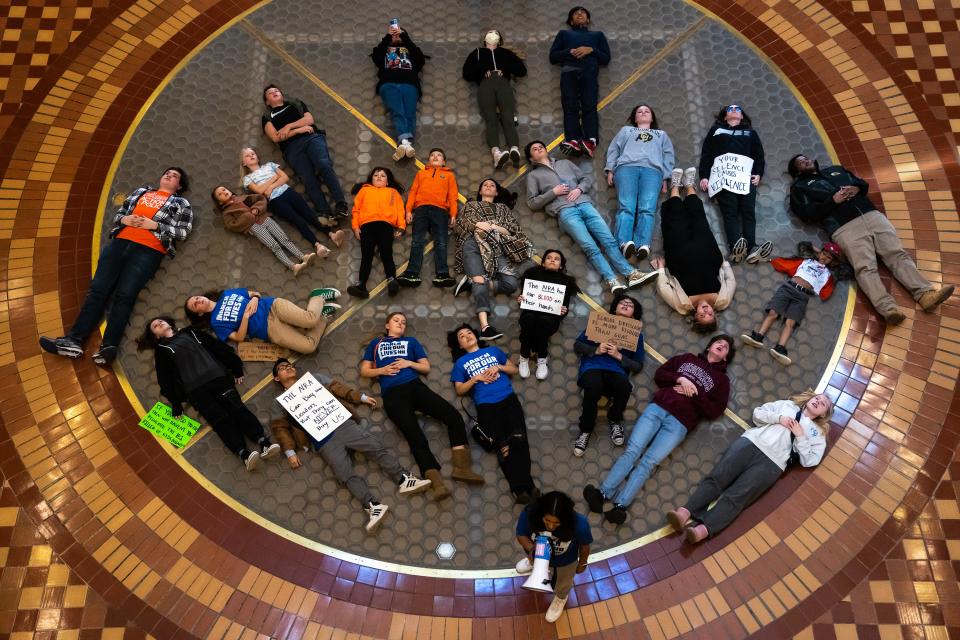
[{"x": 175, "y": 218}]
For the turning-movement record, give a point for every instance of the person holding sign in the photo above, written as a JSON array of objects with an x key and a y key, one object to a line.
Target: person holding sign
[
  {"x": 639, "y": 162},
  {"x": 692, "y": 387},
  {"x": 553, "y": 515},
  {"x": 732, "y": 157},
  {"x": 335, "y": 449},
  {"x": 193, "y": 366},
  {"x": 397, "y": 362},
  {"x": 536, "y": 325},
  {"x": 484, "y": 372},
  {"x": 787, "y": 432},
  {"x": 605, "y": 370},
  {"x": 694, "y": 278},
  {"x": 239, "y": 314}
]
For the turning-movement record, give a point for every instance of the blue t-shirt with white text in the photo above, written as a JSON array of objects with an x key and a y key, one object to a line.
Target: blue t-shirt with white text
[
  {"x": 562, "y": 552},
  {"x": 389, "y": 350},
  {"x": 471, "y": 364},
  {"x": 228, "y": 313}
]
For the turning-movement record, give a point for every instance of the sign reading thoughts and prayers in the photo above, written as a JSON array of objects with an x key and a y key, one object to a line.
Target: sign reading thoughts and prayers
[
  {"x": 257, "y": 351},
  {"x": 617, "y": 330},
  {"x": 177, "y": 431},
  {"x": 314, "y": 407},
  {"x": 731, "y": 171},
  {"x": 543, "y": 296}
]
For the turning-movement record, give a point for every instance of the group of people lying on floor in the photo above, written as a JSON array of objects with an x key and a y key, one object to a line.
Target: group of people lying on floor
[{"x": 492, "y": 251}]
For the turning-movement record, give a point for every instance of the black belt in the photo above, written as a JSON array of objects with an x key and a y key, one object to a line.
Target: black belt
[{"x": 799, "y": 287}]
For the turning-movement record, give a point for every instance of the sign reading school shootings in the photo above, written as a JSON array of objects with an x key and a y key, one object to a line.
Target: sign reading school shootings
[
  {"x": 617, "y": 330},
  {"x": 543, "y": 296},
  {"x": 313, "y": 407},
  {"x": 731, "y": 171}
]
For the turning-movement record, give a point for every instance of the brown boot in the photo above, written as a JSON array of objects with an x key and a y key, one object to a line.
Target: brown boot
[
  {"x": 894, "y": 317},
  {"x": 462, "y": 470},
  {"x": 437, "y": 488},
  {"x": 930, "y": 300}
]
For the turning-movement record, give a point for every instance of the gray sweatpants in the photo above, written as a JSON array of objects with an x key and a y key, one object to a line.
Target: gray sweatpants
[
  {"x": 506, "y": 281},
  {"x": 336, "y": 453}
]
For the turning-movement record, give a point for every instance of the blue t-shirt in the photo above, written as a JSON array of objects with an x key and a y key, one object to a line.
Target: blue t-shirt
[
  {"x": 471, "y": 364},
  {"x": 607, "y": 362},
  {"x": 562, "y": 552},
  {"x": 228, "y": 313},
  {"x": 390, "y": 349}
]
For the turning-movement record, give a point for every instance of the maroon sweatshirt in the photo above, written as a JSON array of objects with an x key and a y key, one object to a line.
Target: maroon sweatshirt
[{"x": 713, "y": 388}]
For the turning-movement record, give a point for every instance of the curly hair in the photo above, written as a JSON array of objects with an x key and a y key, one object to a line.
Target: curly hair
[{"x": 559, "y": 505}]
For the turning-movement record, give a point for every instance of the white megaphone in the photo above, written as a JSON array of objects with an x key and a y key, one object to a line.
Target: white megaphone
[{"x": 539, "y": 579}]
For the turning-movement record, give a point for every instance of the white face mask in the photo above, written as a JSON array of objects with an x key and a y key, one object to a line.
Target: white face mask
[{"x": 492, "y": 37}]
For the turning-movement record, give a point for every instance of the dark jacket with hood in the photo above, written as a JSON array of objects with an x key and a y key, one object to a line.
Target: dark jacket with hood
[
  {"x": 572, "y": 38},
  {"x": 713, "y": 388},
  {"x": 188, "y": 361},
  {"x": 741, "y": 139},
  {"x": 481, "y": 60},
  {"x": 404, "y": 64},
  {"x": 811, "y": 198}
]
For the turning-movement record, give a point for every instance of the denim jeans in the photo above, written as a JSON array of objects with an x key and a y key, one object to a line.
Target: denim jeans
[
  {"x": 427, "y": 218},
  {"x": 473, "y": 266},
  {"x": 584, "y": 224},
  {"x": 655, "y": 427},
  {"x": 638, "y": 189},
  {"x": 400, "y": 99},
  {"x": 579, "y": 91},
  {"x": 124, "y": 268},
  {"x": 308, "y": 155}
]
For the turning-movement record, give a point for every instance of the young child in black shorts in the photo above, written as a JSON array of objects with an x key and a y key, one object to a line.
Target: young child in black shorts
[{"x": 808, "y": 277}]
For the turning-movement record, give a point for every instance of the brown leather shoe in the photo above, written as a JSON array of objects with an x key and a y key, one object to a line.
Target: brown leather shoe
[
  {"x": 930, "y": 300},
  {"x": 894, "y": 318}
]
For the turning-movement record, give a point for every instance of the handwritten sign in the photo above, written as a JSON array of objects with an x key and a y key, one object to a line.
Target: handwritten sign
[
  {"x": 177, "y": 431},
  {"x": 314, "y": 407},
  {"x": 731, "y": 171},
  {"x": 543, "y": 296},
  {"x": 261, "y": 351},
  {"x": 617, "y": 330}
]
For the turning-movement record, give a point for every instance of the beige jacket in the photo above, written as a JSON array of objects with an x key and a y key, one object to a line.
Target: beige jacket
[{"x": 673, "y": 294}]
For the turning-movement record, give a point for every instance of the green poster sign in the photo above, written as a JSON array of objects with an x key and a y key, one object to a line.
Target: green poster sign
[{"x": 176, "y": 431}]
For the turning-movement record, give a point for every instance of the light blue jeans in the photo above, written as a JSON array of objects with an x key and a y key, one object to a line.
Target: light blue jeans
[
  {"x": 401, "y": 101},
  {"x": 584, "y": 224},
  {"x": 658, "y": 429},
  {"x": 638, "y": 189}
]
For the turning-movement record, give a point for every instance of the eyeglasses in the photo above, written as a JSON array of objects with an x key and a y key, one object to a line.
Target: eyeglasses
[
  {"x": 284, "y": 367},
  {"x": 733, "y": 107}
]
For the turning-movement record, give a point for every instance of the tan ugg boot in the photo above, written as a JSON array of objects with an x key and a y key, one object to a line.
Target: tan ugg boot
[
  {"x": 437, "y": 488},
  {"x": 462, "y": 469}
]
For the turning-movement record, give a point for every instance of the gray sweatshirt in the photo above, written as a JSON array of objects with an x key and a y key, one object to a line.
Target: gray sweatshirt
[
  {"x": 641, "y": 147},
  {"x": 541, "y": 180}
]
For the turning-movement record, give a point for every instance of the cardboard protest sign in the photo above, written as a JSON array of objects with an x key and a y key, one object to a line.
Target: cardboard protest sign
[
  {"x": 177, "y": 431},
  {"x": 314, "y": 407},
  {"x": 617, "y": 330},
  {"x": 261, "y": 351},
  {"x": 731, "y": 171},
  {"x": 543, "y": 296}
]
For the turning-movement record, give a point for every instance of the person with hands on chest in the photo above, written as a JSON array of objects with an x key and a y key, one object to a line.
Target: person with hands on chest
[{"x": 692, "y": 388}]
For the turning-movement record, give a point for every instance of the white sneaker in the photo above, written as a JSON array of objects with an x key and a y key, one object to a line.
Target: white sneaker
[
  {"x": 413, "y": 484},
  {"x": 399, "y": 153},
  {"x": 251, "y": 460},
  {"x": 689, "y": 176},
  {"x": 408, "y": 149},
  {"x": 639, "y": 278},
  {"x": 555, "y": 609},
  {"x": 376, "y": 513},
  {"x": 615, "y": 285},
  {"x": 524, "y": 566},
  {"x": 524, "y": 366},
  {"x": 269, "y": 451},
  {"x": 542, "y": 371},
  {"x": 499, "y": 157}
]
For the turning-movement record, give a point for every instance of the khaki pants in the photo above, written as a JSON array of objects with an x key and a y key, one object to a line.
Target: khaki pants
[
  {"x": 296, "y": 329},
  {"x": 871, "y": 236},
  {"x": 565, "y": 576}
]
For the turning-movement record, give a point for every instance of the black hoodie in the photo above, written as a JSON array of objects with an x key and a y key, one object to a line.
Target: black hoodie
[
  {"x": 398, "y": 63},
  {"x": 741, "y": 139}
]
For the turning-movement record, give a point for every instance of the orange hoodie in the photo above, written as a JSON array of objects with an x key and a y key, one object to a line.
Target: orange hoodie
[
  {"x": 374, "y": 204},
  {"x": 434, "y": 186}
]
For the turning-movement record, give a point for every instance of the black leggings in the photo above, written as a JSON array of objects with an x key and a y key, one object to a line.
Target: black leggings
[
  {"x": 401, "y": 404},
  {"x": 218, "y": 401},
  {"x": 689, "y": 247},
  {"x": 597, "y": 383},
  {"x": 376, "y": 236},
  {"x": 291, "y": 206},
  {"x": 509, "y": 429},
  {"x": 536, "y": 329}
]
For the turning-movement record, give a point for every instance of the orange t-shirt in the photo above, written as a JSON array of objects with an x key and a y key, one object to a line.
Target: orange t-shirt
[{"x": 147, "y": 206}]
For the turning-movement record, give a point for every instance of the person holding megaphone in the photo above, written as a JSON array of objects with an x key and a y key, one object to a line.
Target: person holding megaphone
[{"x": 553, "y": 517}]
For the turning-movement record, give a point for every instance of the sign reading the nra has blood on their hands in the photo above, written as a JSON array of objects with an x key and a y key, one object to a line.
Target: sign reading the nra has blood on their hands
[
  {"x": 731, "y": 171},
  {"x": 314, "y": 407},
  {"x": 621, "y": 332},
  {"x": 543, "y": 296}
]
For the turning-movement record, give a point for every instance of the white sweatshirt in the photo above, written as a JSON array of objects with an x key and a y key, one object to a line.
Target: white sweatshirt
[{"x": 774, "y": 439}]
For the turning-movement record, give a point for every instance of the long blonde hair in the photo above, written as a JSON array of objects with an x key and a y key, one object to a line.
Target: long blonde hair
[{"x": 801, "y": 399}]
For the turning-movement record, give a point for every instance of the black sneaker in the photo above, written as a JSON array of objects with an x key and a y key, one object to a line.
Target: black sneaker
[
  {"x": 358, "y": 291},
  {"x": 739, "y": 251},
  {"x": 443, "y": 280},
  {"x": 580, "y": 445},
  {"x": 780, "y": 353},
  {"x": 409, "y": 279},
  {"x": 104, "y": 356},
  {"x": 393, "y": 287},
  {"x": 617, "y": 515},
  {"x": 594, "y": 498},
  {"x": 341, "y": 209},
  {"x": 753, "y": 339},
  {"x": 464, "y": 286},
  {"x": 490, "y": 333},
  {"x": 63, "y": 346}
]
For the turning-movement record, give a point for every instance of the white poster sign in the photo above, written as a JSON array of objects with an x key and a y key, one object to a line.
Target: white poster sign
[
  {"x": 314, "y": 407},
  {"x": 731, "y": 171},
  {"x": 543, "y": 296}
]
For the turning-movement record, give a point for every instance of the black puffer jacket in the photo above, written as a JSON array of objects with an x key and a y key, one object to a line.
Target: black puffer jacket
[
  {"x": 190, "y": 359},
  {"x": 811, "y": 198}
]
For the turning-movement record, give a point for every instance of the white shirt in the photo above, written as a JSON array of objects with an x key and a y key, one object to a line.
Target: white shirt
[
  {"x": 814, "y": 272},
  {"x": 774, "y": 439},
  {"x": 261, "y": 175}
]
